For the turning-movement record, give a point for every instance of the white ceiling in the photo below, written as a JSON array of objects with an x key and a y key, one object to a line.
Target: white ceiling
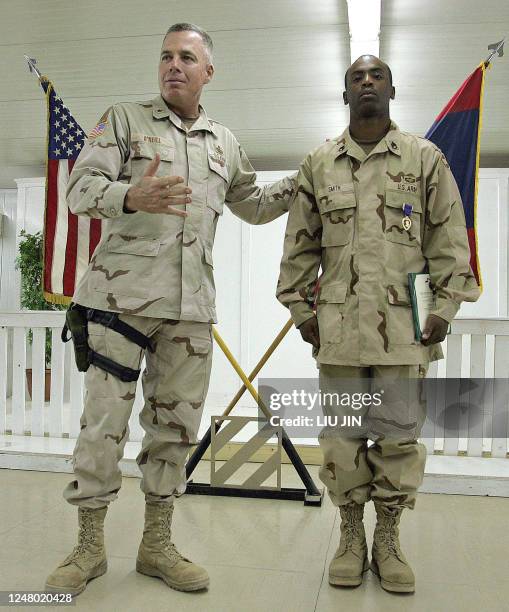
[{"x": 279, "y": 68}]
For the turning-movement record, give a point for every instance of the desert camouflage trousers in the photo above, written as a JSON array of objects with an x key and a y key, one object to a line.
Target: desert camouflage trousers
[
  {"x": 175, "y": 383},
  {"x": 391, "y": 469}
]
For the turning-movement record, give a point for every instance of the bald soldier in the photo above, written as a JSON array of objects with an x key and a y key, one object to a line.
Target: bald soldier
[
  {"x": 157, "y": 173},
  {"x": 372, "y": 206}
]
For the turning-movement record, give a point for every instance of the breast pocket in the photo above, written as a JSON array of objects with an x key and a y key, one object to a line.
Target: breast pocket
[
  {"x": 396, "y": 196},
  {"x": 337, "y": 210},
  {"x": 217, "y": 183},
  {"x": 142, "y": 153}
]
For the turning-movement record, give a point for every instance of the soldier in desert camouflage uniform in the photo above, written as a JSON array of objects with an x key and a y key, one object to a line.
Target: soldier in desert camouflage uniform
[
  {"x": 157, "y": 174},
  {"x": 348, "y": 218}
]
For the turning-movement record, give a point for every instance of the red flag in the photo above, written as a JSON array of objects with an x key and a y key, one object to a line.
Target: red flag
[
  {"x": 457, "y": 131},
  {"x": 69, "y": 240}
]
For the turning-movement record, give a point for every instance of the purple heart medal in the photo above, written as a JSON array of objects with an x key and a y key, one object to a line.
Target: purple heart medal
[{"x": 406, "y": 222}]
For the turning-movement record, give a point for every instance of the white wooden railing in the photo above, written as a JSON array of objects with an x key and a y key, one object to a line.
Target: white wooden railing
[
  {"x": 60, "y": 416},
  {"x": 20, "y": 415},
  {"x": 476, "y": 348}
]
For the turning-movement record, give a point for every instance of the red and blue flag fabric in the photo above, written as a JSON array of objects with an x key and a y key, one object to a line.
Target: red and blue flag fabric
[
  {"x": 69, "y": 240},
  {"x": 456, "y": 131}
]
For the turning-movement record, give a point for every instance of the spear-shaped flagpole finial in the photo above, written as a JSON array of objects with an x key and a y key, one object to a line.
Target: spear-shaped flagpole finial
[
  {"x": 31, "y": 61},
  {"x": 496, "y": 49}
]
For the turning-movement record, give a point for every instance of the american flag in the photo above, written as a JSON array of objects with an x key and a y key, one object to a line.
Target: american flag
[{"x": 69, "y": 240}]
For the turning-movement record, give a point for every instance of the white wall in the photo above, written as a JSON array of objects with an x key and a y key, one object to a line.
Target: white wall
[{"x": 492, "y": 231}]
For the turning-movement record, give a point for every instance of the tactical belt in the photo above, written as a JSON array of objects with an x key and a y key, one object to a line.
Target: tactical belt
[
  {"x": 86, "y": 356},
  {"x": 111, "y": 320},
  {"x": 112, "y": 367}
]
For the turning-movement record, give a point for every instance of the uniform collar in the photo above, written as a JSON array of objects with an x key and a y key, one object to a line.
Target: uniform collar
[
  {"x": 161, "y": 110},
  {"x": 390, "y": 142}
]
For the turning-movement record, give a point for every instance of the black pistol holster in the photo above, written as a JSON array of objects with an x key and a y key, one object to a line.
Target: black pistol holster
[{"x": 76, "y": 322}]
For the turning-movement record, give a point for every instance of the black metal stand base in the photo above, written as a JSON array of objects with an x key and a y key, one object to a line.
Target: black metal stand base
[
  {"x": 309, "y": 499},
  {"x": 311, "y": 495}
]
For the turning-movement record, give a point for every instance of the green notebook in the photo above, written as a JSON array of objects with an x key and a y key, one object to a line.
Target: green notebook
[{"x": 422, "y": 298}]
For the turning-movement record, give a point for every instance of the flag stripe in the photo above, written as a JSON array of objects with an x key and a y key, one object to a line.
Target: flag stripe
[
  {"x": 467, "y": 97},
  {"x": 61, "y": 226},
  {"x": 475, "y": 252},
  {"x": 69, "y": 275},
  {"x": 50, "y": 222},
  {"x": 456, "y": 136}
]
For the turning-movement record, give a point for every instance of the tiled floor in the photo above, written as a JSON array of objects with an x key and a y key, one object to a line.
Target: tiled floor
[{"x": 261, "y": 555}]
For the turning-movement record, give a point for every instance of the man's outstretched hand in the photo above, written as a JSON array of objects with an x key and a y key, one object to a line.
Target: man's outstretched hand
[
  {"x": 435, "y": 330},
  {"x": 310, "y": 333},
  {"x": 158, "y": 194}
]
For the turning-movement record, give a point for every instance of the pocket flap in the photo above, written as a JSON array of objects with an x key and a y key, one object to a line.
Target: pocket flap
[
  {"x": 148, "y": 150},
  {"x": 335, "y": 293},
  {"x": 133, "y": 245},
  {"x": 207, "y": 255},
  {"x": 398, "y": 295},
  {"x": 336, "y": 200},
  {"x": 200, "y": 346},
  {"x": 397, "y": 194},
  {"x": 215, "y": 205}
]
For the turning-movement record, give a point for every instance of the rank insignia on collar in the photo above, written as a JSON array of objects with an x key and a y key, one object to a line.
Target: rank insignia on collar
[{"x": 219, "y": 151}]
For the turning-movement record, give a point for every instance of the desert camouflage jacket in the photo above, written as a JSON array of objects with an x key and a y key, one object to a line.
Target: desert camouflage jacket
[
  {"x": 154, "y": 264},
  {"x": 348, "y": 218}
]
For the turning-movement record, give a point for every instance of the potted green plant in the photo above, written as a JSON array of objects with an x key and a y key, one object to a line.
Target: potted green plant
[{"x": 30, "y": 263}]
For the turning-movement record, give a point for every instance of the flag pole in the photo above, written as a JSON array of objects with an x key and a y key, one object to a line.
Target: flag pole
[{"x": 496, "y": 49}]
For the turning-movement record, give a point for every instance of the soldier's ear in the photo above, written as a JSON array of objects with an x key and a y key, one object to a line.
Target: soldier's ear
[
  {"x": 345, "y": 98},
  {"x": 209, "y": 72},
  {"x": 393, "y": 93}
]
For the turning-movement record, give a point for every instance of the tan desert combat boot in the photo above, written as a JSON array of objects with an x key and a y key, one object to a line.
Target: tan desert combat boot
[
  {"x": 388, "y": 562},
  {"x": 351, "y": 558},
  {"x": 157, "y": 555},
  {"x": 87, "y": 560}
]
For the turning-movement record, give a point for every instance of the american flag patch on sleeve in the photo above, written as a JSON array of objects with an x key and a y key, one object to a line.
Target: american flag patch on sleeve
[{"x": 98, "y": 130}]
